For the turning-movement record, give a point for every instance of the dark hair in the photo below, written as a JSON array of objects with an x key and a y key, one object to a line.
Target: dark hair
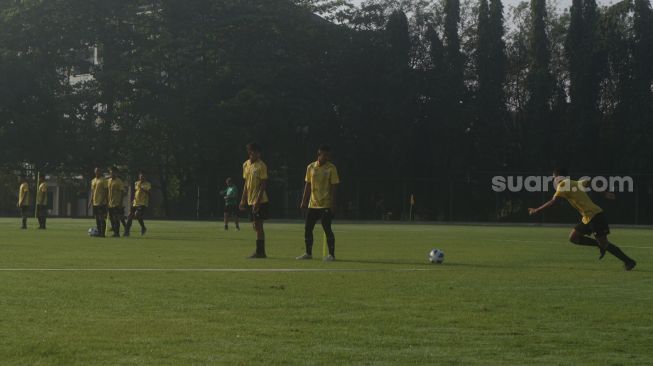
[
  {"x": 254, "y": 147},
  {"x": 561, "y": 172},
  {"x": 114, "y": 169},
  {"x": 324, "y": 148}
]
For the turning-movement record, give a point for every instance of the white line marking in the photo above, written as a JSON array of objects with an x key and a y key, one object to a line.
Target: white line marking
[{"x": 284, "y": 270}]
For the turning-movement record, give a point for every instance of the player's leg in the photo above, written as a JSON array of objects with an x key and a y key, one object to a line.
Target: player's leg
[
  {"x": 629, "y": 263},
  {"x": 42, "y": 216},
  {"x": 115, "y": 216},
  {"x": 140, "y": 217},
  {"x": 327, "y": 218},
  {"x": 309, "y": 225},
  {"x": 227, "y": 212},
  {"x": 130, "y": 221},
  {"x": 122, "y": 219},
  {"x": 258, "y": 218},
  {"x": 24, "y": 214},
  {"x": 236, "y": 218}
]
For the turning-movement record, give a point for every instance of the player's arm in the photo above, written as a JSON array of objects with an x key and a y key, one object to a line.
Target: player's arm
[
  {"x": 243, "y": 199},
  {"x": 334, "y": 189},
  {"x": 307, "y": 194},
  {"x": 551, "y": 202},
  {"x": 261, "y": 193}
]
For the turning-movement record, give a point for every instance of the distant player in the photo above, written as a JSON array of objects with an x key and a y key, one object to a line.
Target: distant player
[
  {"x": 42, "y": 202},
  {"x": 141, "y": 201},
  {"x": 23, "y": 200},
  {"x": 255, "y": 197},
  {"x": 593, "y": 219},
  {"x": 320, "y": 199},
  {"x": 100, "y": 201},
  {"x": 230, "y": 204},
  {"x": 117, "y": 192}
]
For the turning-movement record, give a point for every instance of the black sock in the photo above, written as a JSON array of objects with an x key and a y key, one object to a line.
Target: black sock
[
  {"x": 614, "y": 250},
  {"x": 260, "y": 247},
  {"x": 44, "y": 218},
  {"x": 331, "y": 243},
  {"x": 24, "y": 221},
  {"x": 103, "y": 227},
  {"x": 309, "y": 247},
  {"x": 142, "y": 223}
]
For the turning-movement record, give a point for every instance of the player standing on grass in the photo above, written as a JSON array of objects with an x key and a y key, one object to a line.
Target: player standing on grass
[
  {"x": 230, "y": 204},
  {"x": 255, "y": 197},
  {"x": 593, "y": 220},
  {"x": 116, "y": 195},
  {"x": 320, "y": 199},
  {"x": 23, "y": 200},
  {"x": 100, "y": 201},
  {"x": 141, "y": 201},
  {"x": 42, "y": 202}
]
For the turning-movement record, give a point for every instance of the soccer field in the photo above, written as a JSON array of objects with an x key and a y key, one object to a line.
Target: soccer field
[{"x": 185, "y": 295}]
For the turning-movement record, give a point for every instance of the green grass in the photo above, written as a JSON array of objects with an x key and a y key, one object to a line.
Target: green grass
[{"x": 505, "y": 295}]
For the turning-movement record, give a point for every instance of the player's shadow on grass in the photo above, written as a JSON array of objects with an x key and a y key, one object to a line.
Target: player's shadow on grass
[{"x": 384, "y": 261}]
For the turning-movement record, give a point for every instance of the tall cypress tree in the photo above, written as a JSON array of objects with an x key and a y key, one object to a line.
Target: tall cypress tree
[
  {"x": 641, "y": 110},
  {"x": 539, "y": 86},
  {"x": 498, "y": 55},
  {"x": 453, "y": 56}
]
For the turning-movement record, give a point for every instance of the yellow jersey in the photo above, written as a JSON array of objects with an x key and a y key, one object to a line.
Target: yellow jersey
[
  {"x": 99, "y": 191},
  {"x": 254, "y": 174},
  {"x": 321, "y": 178},
  {"x": 574, "y": 192},
  {"x": 23, "y": 195},
  {"x": 42, "y": 194},
  {"x": 116, "y": 192},
  {"x": 142, "y": 193}
]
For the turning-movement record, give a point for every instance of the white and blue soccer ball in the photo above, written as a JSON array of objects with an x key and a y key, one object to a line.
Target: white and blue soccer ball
[
  {"x": 93, "y": 232},
  {"x": 436, "y": 256}
]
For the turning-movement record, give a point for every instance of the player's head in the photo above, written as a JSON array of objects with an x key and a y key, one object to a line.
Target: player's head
[
  {"x": 559, "y": 174},
  {"x": 254, "y": 151},
  {"x": 98, "y": 172},
  {"x": 141, "y": 175},
  {"x": 229, "y": 181},
  {"x": 113, "y": 172},
  {"x": 42, "y": 178},
  {"x": 22, "y": 178},
  {"x": 323, "y": 153}
]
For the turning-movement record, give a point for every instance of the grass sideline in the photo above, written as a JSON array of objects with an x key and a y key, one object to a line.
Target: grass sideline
[{"x": 185, "y": 295}]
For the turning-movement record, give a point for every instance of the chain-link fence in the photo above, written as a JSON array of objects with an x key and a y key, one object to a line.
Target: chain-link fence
[{"x": 453, "y": 198}]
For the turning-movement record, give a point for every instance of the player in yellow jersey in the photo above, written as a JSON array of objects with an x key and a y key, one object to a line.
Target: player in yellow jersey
[
  {"x": 593, "y": 219},
  {"x": 139, "y": 206},
  {"x": 117, "y": 192},
  {"x": 99, "y": 201},
  {"x": 255, "y": 197},
  {"x": 24, "y": 200},
  {"x": 42, "y": 202},
  {"x": 320, "y": 198}
]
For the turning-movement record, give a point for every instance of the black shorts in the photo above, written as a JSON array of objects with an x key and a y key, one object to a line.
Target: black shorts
[
  {"x": 100, "y": 210},
  {"x": 138, "y": 209},
  {"x": 41, "y": 210},
  {"x": 231, "y": 209},
  {"x": 597, "y": 226},
  {"x": 25, "y": 211},
  {"x": 116, "y": 211},
  {"x": 261, "y": 215}
]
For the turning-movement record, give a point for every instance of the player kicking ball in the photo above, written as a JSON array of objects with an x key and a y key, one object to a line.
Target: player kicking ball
[
  {"x": 593, "y": 219},
  {"x": 255, "y": 197},
  {"x": 320, "y": 197}
]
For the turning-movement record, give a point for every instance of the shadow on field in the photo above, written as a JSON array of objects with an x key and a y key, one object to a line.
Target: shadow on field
[{"x": 384, "y": 261}]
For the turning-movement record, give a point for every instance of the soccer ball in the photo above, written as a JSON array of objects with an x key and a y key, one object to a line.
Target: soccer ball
[
  {"x": 93, "y": 232},
  {"x": 436, "y": 256}
]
